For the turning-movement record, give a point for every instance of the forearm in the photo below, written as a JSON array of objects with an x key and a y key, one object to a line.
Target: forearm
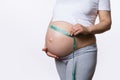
[
  {"x": 99, "y": 28},
  {"x": 104, "y": 24}
]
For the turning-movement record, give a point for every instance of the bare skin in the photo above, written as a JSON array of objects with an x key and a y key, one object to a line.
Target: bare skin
[{"x": 102, "y": 26}]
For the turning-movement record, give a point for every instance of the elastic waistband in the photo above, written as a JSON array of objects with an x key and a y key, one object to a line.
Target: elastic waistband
[{"x": 92, "y": 47}]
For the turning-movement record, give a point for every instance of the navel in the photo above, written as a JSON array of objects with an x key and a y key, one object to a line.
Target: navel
[{"x": 50, "y": 40}]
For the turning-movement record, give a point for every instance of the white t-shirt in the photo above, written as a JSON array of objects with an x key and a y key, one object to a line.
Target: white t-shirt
[{"x": 79, "y": 11}]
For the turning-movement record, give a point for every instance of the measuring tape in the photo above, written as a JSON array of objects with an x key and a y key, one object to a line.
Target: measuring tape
[{"x": 74, "y": 45}]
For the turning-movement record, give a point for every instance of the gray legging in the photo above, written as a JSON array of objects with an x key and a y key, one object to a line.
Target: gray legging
[{"x": 85, "y": 62}]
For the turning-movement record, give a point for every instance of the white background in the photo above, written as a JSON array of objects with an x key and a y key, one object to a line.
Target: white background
[{"x": 23, "y": 24}]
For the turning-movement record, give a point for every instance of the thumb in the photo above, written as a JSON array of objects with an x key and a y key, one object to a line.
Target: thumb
[{"x": 44, "y": 49}]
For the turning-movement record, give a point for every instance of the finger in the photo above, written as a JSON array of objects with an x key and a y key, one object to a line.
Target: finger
[
  {"x": 75, "y": 29},
  {"x": 77, "y": 32},
  {"x": 71, "y": 33},
  {"x": 78, "y": 26},
  {"x": 52, "y": 55},
  {"x": 44, "y": 49}
]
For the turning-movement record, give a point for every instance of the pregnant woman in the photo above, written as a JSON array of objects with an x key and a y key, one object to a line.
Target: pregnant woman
[{"x": 70, "y": 37}]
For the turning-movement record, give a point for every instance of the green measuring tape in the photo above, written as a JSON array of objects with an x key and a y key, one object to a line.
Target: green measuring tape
[{"x": 74, "y": 45}]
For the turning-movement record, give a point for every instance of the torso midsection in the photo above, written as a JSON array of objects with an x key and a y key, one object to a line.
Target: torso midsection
[{"x": 62, "y": 45}]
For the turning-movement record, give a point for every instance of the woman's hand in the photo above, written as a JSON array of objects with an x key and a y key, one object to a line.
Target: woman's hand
[
  {"x": 50, "y": 54},
  {"x": 79, "y": 29}
]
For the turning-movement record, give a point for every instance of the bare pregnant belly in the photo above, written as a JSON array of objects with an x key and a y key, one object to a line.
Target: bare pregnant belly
[{"x": 58, "y": 43}]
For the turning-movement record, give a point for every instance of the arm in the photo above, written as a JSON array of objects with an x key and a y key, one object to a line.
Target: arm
[{"x": 104, "y": 23}]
